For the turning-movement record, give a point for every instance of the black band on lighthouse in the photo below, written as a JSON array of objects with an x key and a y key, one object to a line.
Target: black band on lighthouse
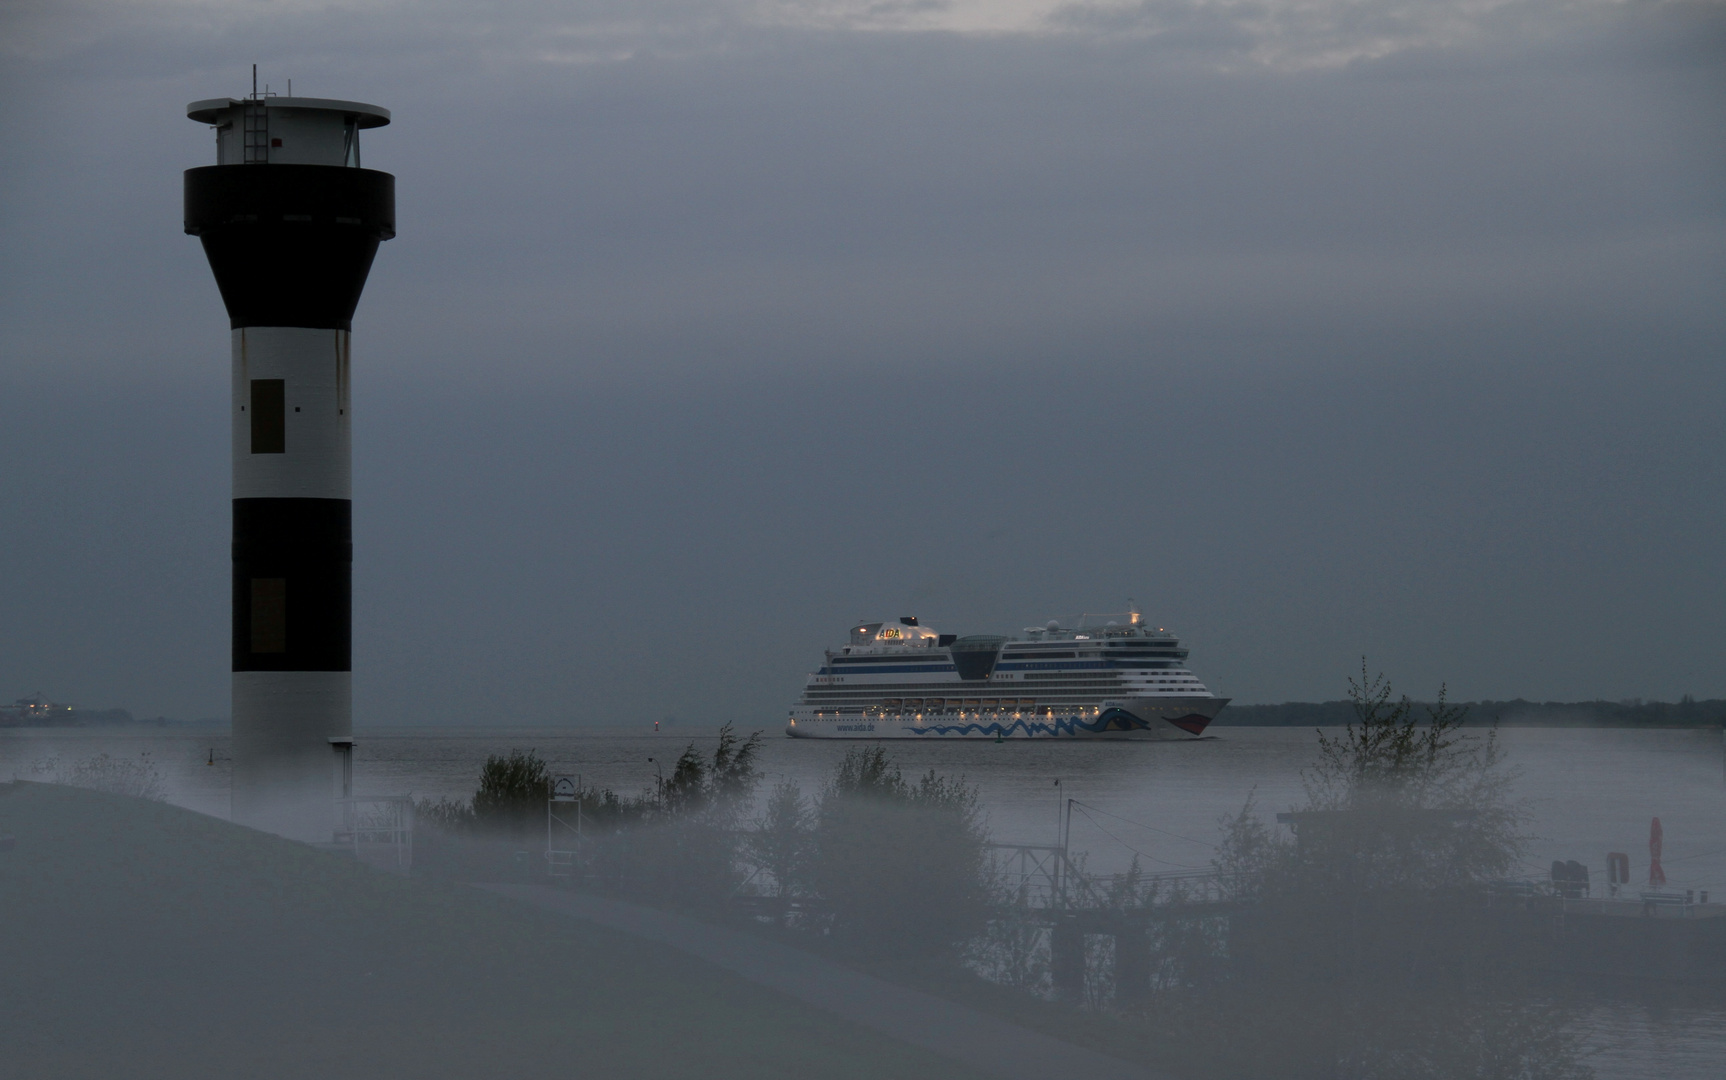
[
  {"x": 290, "y": 245},
  {"x": 293, "y": 584}
]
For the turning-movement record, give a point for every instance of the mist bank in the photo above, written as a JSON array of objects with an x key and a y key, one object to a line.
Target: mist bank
[
  {"x": 143, "y": 939},
  {"x": 1636, "y": 713}
]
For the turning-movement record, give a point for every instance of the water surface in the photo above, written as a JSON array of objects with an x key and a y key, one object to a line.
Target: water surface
[{"x": 1589, "y": 791}]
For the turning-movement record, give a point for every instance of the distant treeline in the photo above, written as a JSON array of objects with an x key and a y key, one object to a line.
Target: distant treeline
[{"x": 1685, "y": 713}]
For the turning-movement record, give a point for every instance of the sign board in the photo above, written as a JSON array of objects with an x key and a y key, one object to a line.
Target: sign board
[{"x": 563, "y": 789}]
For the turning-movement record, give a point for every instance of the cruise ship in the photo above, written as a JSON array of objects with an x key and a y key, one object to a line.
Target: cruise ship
[{"x": 1095, "y": 679}]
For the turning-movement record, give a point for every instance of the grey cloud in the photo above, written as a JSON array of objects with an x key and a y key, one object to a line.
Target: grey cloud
[{"x": 747, "y": 331}]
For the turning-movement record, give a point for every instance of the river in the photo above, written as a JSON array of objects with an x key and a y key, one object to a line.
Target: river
[{"x": 1588, "y": 791}]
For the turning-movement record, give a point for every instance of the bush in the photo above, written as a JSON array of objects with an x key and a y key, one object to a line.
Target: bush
[
  {"x": 679, "y": 844},
  {"x": 1353, "y": 938},
  {"x": 513, "y": 793},
  {"x": 139, "y": 778},
  {"x": 781, "y": 842},
  {"x": 670, "y": 843},
  {"x": 445, "y": 815},
  {"x": 720, "y": 786},
  {"x": 1396, "y": 804},
  {"x": 898, "y": 864}
]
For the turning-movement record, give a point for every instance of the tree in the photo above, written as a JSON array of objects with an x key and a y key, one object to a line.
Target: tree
[
  {"x": 781, "y": 842},
  {"x": 1404, "y": 800},
  {"x": 512, "y": 793},
  {"x": 899, "y": 862},
  {"x": 682, "y": 847},
  {"x": 721, "y": 784},
  {"x": 1354, "y": 935},
  {"x": 1401, "y": 801}
]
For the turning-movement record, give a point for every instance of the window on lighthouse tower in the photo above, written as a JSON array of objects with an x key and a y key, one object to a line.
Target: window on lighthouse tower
[{"x": 269, "y": 419}]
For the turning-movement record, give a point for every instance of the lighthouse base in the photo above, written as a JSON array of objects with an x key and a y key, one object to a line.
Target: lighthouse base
[{"x": 292, "y": 734}]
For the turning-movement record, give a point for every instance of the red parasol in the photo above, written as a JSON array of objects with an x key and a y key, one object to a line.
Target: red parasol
[{"x": 1656, "y": 876}]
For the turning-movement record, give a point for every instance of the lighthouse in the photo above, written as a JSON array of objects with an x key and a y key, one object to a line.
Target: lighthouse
[{"x": 290, "y": 223}]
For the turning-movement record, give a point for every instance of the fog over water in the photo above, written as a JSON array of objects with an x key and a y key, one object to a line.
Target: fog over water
[{"x": 1590, "y": 791}]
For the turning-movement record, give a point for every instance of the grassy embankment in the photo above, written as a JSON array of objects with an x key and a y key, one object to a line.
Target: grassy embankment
[{"x": 144, "y": 940}]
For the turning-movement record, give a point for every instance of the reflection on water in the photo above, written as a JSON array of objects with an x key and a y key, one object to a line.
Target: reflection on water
[
  {"x": 1590, "y": 791},
  {"x": 1627, "y": 1041}
]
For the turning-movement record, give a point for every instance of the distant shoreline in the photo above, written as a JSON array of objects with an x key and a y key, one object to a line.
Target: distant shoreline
[
  {"x": 137, "y": 727},
  {"x": 1684, "y": 715},
  {"x": 1681, "y": 715}
]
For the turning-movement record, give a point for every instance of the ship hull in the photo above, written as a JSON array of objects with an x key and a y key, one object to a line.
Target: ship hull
[{"x": 1164, "y": 717}]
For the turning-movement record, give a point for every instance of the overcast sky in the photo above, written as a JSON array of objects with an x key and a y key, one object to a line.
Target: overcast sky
[{"x": 1321, "y": 329}]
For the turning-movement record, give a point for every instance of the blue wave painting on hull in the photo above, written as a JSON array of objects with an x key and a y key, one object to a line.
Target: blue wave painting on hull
[{"x": 1063, "y": 726}]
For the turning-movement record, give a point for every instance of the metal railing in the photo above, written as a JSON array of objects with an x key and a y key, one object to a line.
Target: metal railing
[{"x": 378, "y": 825}]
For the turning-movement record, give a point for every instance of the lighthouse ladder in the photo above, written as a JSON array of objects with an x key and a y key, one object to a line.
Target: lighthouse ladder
[{"x": 256, "y": 133}]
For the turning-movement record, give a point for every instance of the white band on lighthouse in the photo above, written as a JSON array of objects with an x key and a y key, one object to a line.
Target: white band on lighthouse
[
  {"x": 292, "y": 423},
  {"x": 283, "y": 725}
]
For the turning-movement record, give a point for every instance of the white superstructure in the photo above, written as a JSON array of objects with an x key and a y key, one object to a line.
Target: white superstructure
[{"x": 1102, "y": 677}]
